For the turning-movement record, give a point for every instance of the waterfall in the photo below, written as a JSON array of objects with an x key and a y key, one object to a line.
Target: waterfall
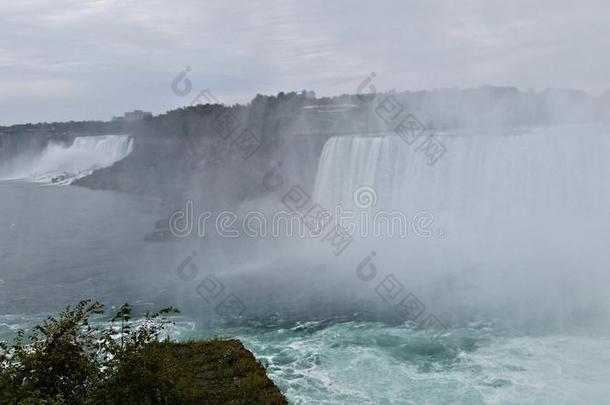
[
  {"x": 483, "y": 178},
  {"x": 62, "y": 164},
  {"x": 524, "y": 214}
]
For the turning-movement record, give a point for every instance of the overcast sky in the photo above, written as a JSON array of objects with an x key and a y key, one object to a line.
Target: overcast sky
[{"x": 91, "y": 59}]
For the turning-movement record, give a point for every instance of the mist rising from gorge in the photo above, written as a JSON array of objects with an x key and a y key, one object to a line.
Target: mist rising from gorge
[{"x": 508, "y": 197}]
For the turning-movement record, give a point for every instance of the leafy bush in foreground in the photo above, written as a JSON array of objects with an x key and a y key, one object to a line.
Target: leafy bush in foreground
[{"x": 67, "y": 360}]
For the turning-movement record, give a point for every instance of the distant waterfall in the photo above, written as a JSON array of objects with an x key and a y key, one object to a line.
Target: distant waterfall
[{"x": 62, "y": 164}]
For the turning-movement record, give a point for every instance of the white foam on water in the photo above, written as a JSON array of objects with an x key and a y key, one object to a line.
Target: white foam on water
[{"x": 371, "y": 363}]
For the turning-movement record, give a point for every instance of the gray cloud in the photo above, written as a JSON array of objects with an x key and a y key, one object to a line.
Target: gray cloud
[{"x": 90, "y": 59}]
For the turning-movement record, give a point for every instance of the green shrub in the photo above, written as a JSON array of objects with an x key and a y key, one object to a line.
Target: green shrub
[{"x": 67, "y": 360}]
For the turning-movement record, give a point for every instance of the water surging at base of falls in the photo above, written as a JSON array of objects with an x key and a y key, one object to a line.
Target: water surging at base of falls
[{"x": 62, "y": 164}]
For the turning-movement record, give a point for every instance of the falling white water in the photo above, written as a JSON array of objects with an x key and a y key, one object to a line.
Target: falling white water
[
  {"x": 484, "y": 179},
  {"x": 524, "y": 215},
  {"x": 62, "y": 164},
  {"x": 484, "y": 175}
]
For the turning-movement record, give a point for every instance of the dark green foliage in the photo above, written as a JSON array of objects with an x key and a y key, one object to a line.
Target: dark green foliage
[
  {"x": 67, "y": 360},
  {"x": 197, "y": 373},
  {"x": 60, "y": 364}
]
